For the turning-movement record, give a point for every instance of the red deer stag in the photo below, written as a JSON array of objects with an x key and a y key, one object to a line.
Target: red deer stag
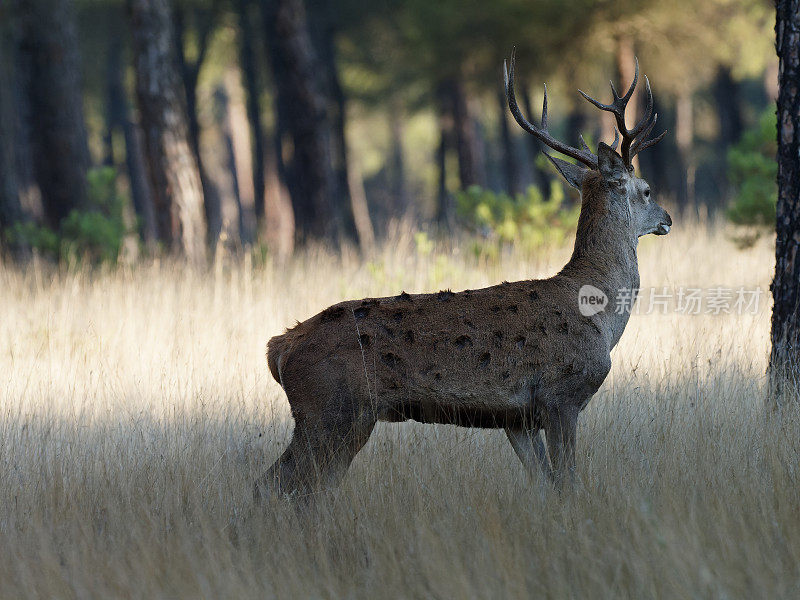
[{"x": 520, "y": 356}]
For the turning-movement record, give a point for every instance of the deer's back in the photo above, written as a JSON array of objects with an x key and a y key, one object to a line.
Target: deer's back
[{"x": 484, "y": 354}]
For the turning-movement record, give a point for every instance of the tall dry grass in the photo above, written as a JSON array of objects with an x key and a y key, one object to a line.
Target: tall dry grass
[{"x": 136, "y": 409}]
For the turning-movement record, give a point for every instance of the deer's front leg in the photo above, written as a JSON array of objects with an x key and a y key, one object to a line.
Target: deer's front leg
[{"x": 560, "y": 425}]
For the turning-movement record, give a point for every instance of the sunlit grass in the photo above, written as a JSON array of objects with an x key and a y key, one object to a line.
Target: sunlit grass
[{"x": 137, "y": 409}]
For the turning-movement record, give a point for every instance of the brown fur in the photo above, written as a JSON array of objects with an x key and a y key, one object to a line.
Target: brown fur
[{"x": 518, "y": 356}]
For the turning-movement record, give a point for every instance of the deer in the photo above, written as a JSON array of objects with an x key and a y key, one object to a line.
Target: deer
[{"x": 521, "y": 356}]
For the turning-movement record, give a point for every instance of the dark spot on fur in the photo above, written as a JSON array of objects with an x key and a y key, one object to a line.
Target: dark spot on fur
[
  {"x": 360, "y": 312},
  {"x": 426, "y": 370},
  {"x": 513, "y": 308},
  {"x": 437, "y": 376},
  {"x": 542, "y": 329},
  {"x": 469, "y": 323},
  {"x": 364, "y": 340},
  {"x": 484, "y": 361},
  {"x": 495, "y": 308},
  {"x": 558, "y": 312},
  {"x": 505, "y": 374},
  {"x": 463, "y": 341},
  {"x": 390, "y": 359},
  {"x": 534, "y": 296},
  {"x": 404, "y": 296},
  {"x": 564, "y": 328},
  {"x": 398, "y": 316},
  {"x": 445, "y": 295},
  {"x": 409, "y": 337},
  {"x": 388, "y": 331},
  {"x": 332, "y": 313},
  {"x": 497, "y": 339},
  {"x": 520, "y": 342},
  {"x": 370, "y": 302},
  {"x": 467, "y": 292}
]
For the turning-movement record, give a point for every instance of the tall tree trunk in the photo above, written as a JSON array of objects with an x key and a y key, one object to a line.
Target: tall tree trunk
[
  {"x": 231, "y": 119},
  {"x": 510, "y": 162},
  {"x": 171, "y": 164},
  {"x": 59, "y": 147},
  {"x": 397, "y": 161},
  {"x": 323, "y": 34},
  {"x": 684, "y": 138},
  {"x": 247, "y": 59},
  {"x": 727, "y": 99},
  {"x": 190, "y": 74},
  {"x": 301, "y": 115},
  {"x": 10, "y": 206},
  {"x": 118, "y": 118},
  {"x": 783, "y": 364},
  {"x": 444, "y": 211},
  {"x": 540, "y": 177},
  {"x": 470, "y": 169}
]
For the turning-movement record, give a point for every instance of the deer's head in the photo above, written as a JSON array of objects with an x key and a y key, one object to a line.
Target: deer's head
[{"x": 627, "y": 196}]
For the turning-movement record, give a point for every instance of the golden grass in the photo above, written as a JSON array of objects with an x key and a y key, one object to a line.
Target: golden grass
[{"x": 137, "y": 409}]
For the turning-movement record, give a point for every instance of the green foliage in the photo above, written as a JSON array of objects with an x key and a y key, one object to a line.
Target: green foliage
[
  {"x": 753, "y": 170},
  {"x": 528, "y": 219},
  {"x": 95, "y": 233}
]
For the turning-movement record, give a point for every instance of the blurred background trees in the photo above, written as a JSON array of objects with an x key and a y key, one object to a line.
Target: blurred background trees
[{"x": 193, "y": 125}]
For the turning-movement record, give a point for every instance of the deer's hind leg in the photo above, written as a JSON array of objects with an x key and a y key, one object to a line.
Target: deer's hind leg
[
  {"x": 528, "y": 445},
  {"x": 323, "y": 445}
]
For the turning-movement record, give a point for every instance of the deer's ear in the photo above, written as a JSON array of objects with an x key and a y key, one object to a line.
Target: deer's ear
[
  {"x": 610, "y": 164},
  {"x": 574, "y": 174}
]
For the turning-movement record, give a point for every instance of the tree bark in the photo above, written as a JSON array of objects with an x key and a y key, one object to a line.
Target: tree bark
[
  {"x": 470, "y": 169},
  {"x": 118, "y": 117},
  {"x": 783, "y": 364},
  {"x": 190, "y": 74},
  {"x": 247, "y": 58},
  {"x": 171, "y": 164},
  {"x": 684, "y": 138},
  {"x": 397, "y": 162},
  {"x": 301, "y": 115},
  {"x": 540, "y": 177},
  {"x": 510, "y": 162},
  {"x": 323, "y": 35},
  {"x": 59, "y": 147},
  {"x": 10, "y": 205}
]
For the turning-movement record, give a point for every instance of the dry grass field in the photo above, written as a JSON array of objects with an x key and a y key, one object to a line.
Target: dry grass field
[{"x": 136, "y": 409}]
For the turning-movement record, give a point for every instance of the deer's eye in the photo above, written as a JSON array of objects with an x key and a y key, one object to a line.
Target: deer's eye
[{"x": 647, "y": 193}]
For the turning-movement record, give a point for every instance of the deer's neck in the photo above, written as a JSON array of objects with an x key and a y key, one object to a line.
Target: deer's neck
[{"x": 605, "y": 257}]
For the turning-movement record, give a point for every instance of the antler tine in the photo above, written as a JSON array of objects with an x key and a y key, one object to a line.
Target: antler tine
[
  {"x": 584, "y": 156},
  {"x": 630, "y": 137},
  {"x": 650, "y": 143},
  {"x": 641, "y": 138},
  {"x": 616, "y": 139}
]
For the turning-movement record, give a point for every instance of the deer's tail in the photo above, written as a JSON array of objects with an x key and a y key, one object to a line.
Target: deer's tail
[{"x": 276, "y": 350}]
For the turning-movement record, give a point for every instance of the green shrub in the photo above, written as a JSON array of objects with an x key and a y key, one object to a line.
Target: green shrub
[
  {"x": 528, "y": 219},
  {"x": 95, "y": 233},
  {"x": 753, "y": 171}
]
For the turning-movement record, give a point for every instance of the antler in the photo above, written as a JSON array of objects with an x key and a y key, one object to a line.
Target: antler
[
  {"x": 585, "y": 156},
  {"x": 633, "y": 140}
]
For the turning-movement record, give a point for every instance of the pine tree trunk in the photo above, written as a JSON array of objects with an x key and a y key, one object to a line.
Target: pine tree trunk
[
  {"x": 510, "y": 162},
  {"x": 10, "y": 207},
  {"x": 190, "y": 73},
  {"x": 397, "y": 162},
  {"x": 59, "y": 148},
  {"x": 247, "y": 58},
  {"x": 171, "y": 164},
  {"x": 323, "y": 36},
  {"x": 783, "y": 366},
  {"x": 118, "y": 118},
  {"x": 470, "y": 169},
  {"x": 301, "y": 115},
  {"x": 684, "y": 138}
]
